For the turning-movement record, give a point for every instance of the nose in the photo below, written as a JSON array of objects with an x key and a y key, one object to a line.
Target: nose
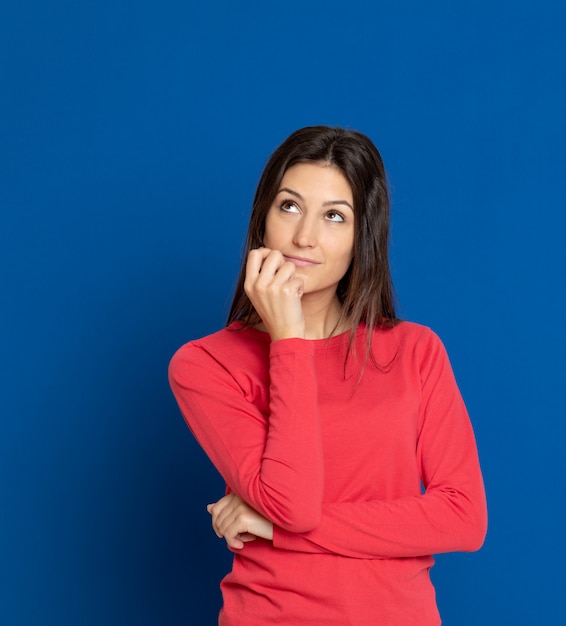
[{"x": 305, "y": 234}]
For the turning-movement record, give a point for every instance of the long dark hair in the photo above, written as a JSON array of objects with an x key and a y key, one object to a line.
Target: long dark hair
[{"x": 366, "y": 290}]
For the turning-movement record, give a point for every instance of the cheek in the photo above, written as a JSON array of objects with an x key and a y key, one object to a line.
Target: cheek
[
  {"x": 347, "y": 261},
  {"x": 276, "y": 232},
  {"x": 268, "y": 230},
  {"x": 348, "y": 252}
]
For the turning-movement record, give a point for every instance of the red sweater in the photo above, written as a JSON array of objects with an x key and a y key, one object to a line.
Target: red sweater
[{"x": 336, "y": 463}]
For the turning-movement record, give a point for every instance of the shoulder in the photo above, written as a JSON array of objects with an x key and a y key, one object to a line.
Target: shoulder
[
  {"x": 407, "y": 335},
  {"x": 408, "y": 344},
  {"x": 232, "y": 348}
]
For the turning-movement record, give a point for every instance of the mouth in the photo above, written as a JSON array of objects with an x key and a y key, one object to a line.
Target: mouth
[{"x": 301, "y": 261}]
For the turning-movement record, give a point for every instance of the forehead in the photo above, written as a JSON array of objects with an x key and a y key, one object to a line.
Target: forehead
[{"x": 317, "y": 179}]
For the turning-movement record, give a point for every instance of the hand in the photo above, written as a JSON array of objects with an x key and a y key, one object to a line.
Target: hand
[
  {"x": 275, "y": 292},
  {"x": 237, "y": 522}
]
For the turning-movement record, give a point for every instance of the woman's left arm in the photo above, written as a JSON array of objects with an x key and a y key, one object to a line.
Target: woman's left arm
[{"x": 450, "y": 516}]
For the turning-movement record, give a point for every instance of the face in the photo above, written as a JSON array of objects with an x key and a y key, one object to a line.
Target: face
[{"x": 311, "y": 221}]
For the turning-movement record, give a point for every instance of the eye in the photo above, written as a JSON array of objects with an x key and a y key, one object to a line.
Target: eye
[
  {"x": 289, "y": 206},
  {"x": 334, "y": 216}
]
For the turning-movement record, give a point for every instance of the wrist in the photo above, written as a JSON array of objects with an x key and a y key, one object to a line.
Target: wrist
[{"x": 277, "y": 334}]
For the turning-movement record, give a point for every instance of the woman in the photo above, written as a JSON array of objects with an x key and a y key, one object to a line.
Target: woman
[{"x": 347, "y": 451}]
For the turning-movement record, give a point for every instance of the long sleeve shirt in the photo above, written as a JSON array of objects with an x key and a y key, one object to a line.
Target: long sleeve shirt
[{"x": 365, "y": 467}]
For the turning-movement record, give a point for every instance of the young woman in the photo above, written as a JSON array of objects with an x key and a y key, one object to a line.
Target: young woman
[{"x": 347, "y": 451}]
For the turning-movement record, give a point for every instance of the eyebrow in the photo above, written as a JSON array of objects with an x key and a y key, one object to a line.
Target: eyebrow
[{"x": 328, "y": 203}]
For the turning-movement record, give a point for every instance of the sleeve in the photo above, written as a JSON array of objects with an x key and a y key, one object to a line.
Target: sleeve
[
  {"x": 274, "y": 462},
  {"x": 450, "y": 516}
]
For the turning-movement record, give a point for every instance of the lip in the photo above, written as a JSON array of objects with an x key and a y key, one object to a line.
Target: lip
[{"x": 301, "y": 261}]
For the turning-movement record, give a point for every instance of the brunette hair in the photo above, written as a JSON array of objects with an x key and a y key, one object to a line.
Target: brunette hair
[{"x": 366, "y": 290}]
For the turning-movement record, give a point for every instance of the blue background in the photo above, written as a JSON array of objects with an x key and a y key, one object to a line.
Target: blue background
[{"x": 132, "y": 135}]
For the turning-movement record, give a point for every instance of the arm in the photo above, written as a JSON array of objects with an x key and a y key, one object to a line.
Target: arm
[
  {"x": 450, "y": 516},
  {"x": 270, "y": 456},
  {"x": 273, "y": 462}
]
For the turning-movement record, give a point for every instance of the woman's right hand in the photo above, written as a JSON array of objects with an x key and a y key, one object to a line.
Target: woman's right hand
[{"x": 275, "y": 292}]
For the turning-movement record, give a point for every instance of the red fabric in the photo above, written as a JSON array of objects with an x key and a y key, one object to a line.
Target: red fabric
[{"x": 336, "y": 462}]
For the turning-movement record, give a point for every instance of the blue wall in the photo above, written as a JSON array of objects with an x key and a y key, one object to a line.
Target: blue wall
[{"x": 131, "y": 138}]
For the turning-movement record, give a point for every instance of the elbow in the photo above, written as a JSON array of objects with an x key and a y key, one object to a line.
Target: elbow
[
  {"x": 470, "y": 520},
  {"x": 303, "y": 524},
  {"x": 474, "y": 533},
  {"x": 295, "y": 510},
  {"x": 466, "y": 525},
  {"x": 301, "y": 519},
  {"x": 476, "y": 537},
  {"x": 472, "y": 542},
  {"x": 298, "y": 515}
]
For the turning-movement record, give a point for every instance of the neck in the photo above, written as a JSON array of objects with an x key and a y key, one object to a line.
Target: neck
[{"x": 321, "y": 318}]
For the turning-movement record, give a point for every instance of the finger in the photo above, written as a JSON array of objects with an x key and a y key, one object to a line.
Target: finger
[
  {"x": 235, "y": 543},
  {"x": 239, "y": 540},
  {"x": 227, "y": 522},
  {"x": 271, "y": 265},
  {"x": 255, "y": 261},
  {"x": 215, "y": 527},
  {"x": 292, "y": 286},
  {"x": 216, "y": 508},
  {"x": 219, "y": 510},
  {"x": 233, "y": 520},
  {"x": 218, "y": 502},
  {"x": 298, "y": 286},
  {"x": 274, "y": 277},
  {"x": 227, "y": 515},
  {"x": 232, "y": 531},
  {"x": 283, "y": 273}
]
